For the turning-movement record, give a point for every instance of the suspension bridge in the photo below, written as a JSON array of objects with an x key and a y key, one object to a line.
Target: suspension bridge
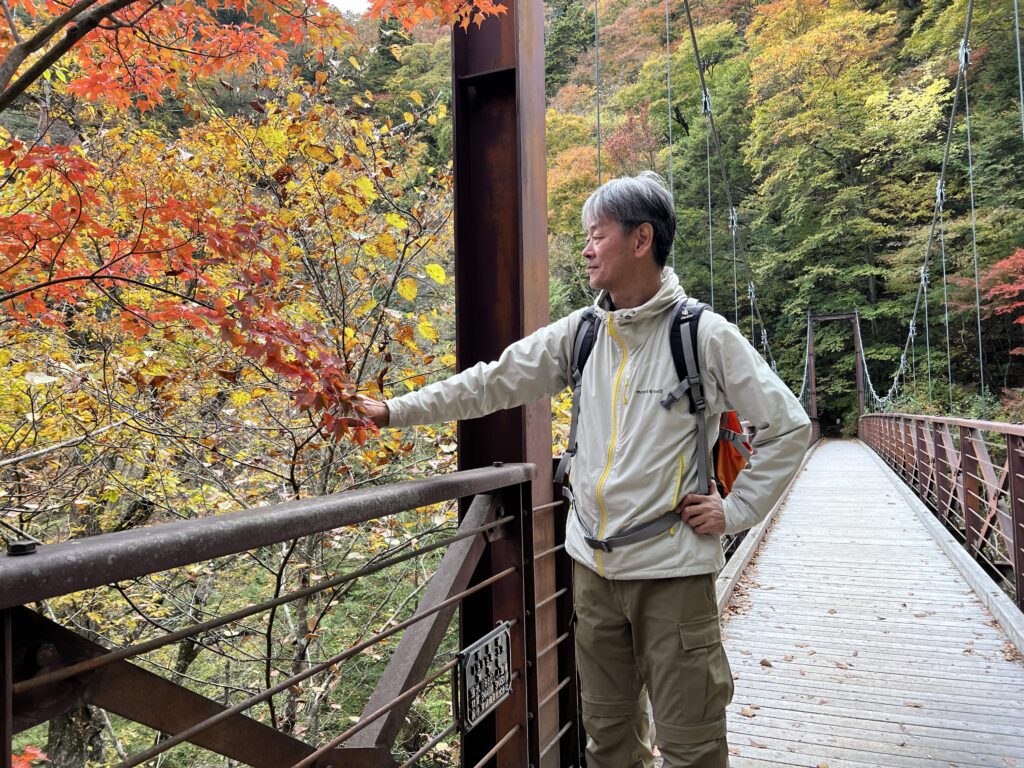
[{"x": 874, "y": 619}]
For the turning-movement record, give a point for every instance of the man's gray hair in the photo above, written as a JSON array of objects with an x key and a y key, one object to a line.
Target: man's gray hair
[{"x": 632, "y": 201}]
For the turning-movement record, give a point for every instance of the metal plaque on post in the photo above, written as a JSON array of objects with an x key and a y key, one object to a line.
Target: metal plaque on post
[{"x": 485, "y": 674}]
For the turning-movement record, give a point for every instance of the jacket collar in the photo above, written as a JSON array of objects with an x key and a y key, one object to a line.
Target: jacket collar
[{"x": 668, "y": 295}]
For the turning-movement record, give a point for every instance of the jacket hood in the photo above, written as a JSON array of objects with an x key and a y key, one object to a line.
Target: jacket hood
[{"x": 668, "y": 295}]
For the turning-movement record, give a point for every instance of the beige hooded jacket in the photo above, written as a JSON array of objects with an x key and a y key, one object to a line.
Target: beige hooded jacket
[{"x": 636, "y": 458}]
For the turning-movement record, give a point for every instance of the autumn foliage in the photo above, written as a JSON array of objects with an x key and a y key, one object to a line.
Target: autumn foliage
[
  {"x": 150, "y": 233},
  {"x": 28, "y": 757},
  {"x": 1004, "y": 288}
]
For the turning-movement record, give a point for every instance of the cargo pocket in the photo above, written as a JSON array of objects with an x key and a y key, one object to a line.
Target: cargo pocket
[{"x": 708, "y": 679}]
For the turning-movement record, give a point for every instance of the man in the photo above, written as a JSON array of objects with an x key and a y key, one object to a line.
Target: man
[{"x": 646, "y": 612}]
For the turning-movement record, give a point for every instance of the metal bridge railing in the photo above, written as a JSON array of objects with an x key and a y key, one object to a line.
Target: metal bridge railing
[
  {"x": 971, "y": 475},
  {"x": 487, "y": 571}
]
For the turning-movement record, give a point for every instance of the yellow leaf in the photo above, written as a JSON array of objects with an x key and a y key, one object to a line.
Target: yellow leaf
[
  {"x": 354, "y": 204},
  {"x": 240, "y": 399},
  {"x": 366, "y": 307},
  {"x": 396, "y": 221},
  {"x": 409, "y": 117},
  {"x": 432, "y": 120},
  {"x": 407, "y": 289},
  {"x": 294, "y": 100},
  {"x": 323, "y": 154},
  {"x": 442, "y": 110},
  {"x": 436, "y": 273},
  {"x": 360, "y": 144},
  {"x": 415, "y": 96},
  {"x": 427, "y": 331},
  {"x": 396, "y": 51},
  {"x": 354, "y": 62},
  {"x": 365, "y": 186}
]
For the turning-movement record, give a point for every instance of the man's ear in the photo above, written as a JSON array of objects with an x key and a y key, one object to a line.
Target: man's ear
[{"x": 644, "y": 243}]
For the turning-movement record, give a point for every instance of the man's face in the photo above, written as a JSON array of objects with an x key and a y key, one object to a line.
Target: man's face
[{"x": 609, "y": 254}]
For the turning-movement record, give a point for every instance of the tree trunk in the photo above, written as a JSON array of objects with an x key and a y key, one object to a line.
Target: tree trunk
[{"x": 75, "y": 738}]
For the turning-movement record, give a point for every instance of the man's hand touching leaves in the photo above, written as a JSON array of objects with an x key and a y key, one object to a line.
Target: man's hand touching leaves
[{"x": 374, "y": 410}]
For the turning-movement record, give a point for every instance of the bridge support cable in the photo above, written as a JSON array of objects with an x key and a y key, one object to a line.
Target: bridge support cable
[
  {"x": 597, "y": 85},
  {"x": 711, "y": 231},
  {"x": 1020, "y": 73},
  {"x": 965, "y": 57},
  {"x": 940, "y": 196},
  {"x": 668, "y": 117},
  {"x": 913, "y": 351},
  {"x": 734, "y": 225},
  {"x": 927, "y": 333}
]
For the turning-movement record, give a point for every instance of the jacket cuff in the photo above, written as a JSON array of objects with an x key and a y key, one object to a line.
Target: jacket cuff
[
  {"x": 397, "y": 415},
  {"x": 735, "y": 518}
]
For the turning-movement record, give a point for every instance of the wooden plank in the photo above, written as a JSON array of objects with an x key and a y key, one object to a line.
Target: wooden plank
[
  {"x": 925, "y": 746},
  {"x": 872, "y": 658},
  {"x": 948, "y": 712}
]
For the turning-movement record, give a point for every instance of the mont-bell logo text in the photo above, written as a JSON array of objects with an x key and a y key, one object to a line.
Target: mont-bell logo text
[{"x": 652, "y": 391}]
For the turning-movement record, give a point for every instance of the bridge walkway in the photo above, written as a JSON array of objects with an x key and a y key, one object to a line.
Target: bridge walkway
[{"x": 855, "y": 641}]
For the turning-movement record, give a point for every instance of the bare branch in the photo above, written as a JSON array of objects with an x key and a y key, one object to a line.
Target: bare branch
[{"x": 10, "y": 21}]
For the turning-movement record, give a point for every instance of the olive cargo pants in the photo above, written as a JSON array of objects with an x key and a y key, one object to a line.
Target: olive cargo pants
[{"x": 665, "y": 634}]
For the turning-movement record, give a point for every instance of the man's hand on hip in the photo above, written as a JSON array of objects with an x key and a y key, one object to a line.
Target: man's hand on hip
[{"x": 705, "y": 514}]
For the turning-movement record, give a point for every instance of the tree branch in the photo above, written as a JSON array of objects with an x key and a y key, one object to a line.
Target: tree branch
[{"x": 75, "y": 32}]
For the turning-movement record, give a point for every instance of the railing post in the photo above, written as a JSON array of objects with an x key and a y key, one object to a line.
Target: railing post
[
  {"x": 943, "y": 473},
  {"x": 6, "y": 688},
  {"x": 573, "y": 744},
  {"x": 500, "y": 237},
  {"x": 890, "y": 441},
  {"x": 507, "y": 602},
  {"x": 1015, "y": 466},
  {"x": 531, "y": 616},
  {"x": 970, "y": 490},
  {"x": 904, "y": 450},
  {"x": 923, "y": 475}
]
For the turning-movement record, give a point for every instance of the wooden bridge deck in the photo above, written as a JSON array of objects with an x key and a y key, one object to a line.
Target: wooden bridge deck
[{"x": 856, "y": 643}]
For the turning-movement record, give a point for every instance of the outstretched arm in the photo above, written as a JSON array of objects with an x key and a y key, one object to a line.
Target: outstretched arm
[{"x": 527, "y": 370}]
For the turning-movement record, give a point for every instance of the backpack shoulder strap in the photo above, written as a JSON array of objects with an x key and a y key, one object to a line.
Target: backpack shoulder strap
[
  {"x": 586, "y": 333},
  {"x": 682, "y": 340},
  {"x": 582, "y": 345},
  {"x": 683, "y": 343}
]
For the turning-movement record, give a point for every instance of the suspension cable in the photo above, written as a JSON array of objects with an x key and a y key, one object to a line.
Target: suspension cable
[
  {"x": 668, "y": 115},
  {"x": 711, "y": 232},
  {"x": 940, "y": 193},
  {"x": 927, "y": 334},
  {"x": 597, "y": 87},
  {"x": 734, "y": 225},
  {"x": 965, "y": 57},
  {"x": 1020, "y": 75}
]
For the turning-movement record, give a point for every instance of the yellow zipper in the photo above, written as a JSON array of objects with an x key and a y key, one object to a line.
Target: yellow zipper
[
  {"x": 611, "y": 444},
  {"x": 679, "y": 485}
]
